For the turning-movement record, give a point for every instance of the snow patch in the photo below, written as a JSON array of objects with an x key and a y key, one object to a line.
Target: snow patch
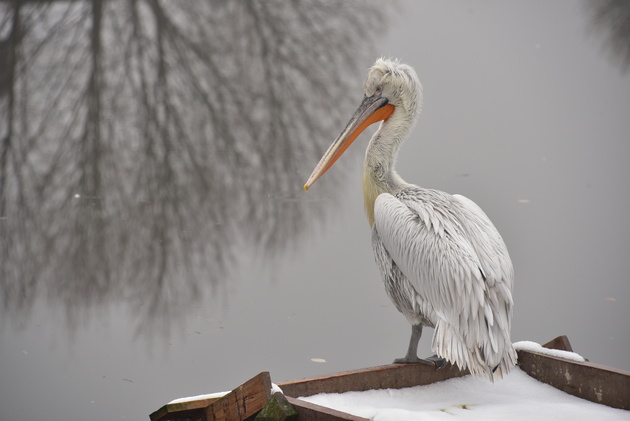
[
  {"x": 200, "y": 397},
  {"x": 516, "y": 397},
  {"x": 537, "y": 348}
]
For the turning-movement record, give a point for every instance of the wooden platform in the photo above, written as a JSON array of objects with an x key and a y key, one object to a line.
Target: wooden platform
[{"x": 594, "y": 382}]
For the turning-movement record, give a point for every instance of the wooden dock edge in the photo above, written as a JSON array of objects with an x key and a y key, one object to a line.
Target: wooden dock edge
[
  {"x": 594, "y": 382},
  {"x": 392, "y": 376}
]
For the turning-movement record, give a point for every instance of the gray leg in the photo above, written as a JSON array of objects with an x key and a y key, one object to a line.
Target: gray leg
[{"x": 412, "y": 351}]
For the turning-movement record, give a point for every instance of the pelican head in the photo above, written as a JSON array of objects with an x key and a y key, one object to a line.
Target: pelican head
[{"x": 391, "y": 90}]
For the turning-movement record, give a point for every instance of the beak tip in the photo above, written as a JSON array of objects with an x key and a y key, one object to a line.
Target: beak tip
[{"x": 306, "y": 186}]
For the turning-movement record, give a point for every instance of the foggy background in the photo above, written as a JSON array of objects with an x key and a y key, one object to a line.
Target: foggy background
[{"x": 155, "y": 240}]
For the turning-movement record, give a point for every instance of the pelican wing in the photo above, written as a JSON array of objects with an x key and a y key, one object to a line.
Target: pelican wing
[
  {"x": 488, "y": 243},
  {"x": 457, "y": 263}
]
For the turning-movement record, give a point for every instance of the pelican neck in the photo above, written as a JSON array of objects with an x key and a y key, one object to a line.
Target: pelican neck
[{"x": 379, "y": 173}]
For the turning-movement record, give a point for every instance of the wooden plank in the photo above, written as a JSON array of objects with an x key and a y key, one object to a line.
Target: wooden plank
[
  {"x": 393, "y": 376},
  {"x": 189, "y": 410},
  {"x": 561, "y": 342},
  {"x": 242, "y": 402},
  {"x": 594, "y": 382},
  {"x": 308, "y": 411}
]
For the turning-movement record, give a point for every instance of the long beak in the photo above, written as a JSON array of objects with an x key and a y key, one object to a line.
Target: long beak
[{"x": 372, "y": 110}]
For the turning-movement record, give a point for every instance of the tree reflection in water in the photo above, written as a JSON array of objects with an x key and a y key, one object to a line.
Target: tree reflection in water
[
  {"x": 142, "y": 142},
  {"x": 611, "y": 18}
]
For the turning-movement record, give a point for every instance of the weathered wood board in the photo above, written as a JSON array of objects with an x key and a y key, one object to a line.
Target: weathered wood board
[
  {"x": 240, "y": 404},
  {"x": 393, "y": 376},
  {"x": 243, "y": 402},
  {"x": 560, "y": 342},
  {"x": 189, "y": 410},
  {"x": 594, "y": 382}
]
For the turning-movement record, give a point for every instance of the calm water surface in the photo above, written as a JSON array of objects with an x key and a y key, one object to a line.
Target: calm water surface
[{"x": 155, "y": 239}]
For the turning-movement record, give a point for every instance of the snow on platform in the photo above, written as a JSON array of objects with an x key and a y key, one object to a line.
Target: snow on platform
[
  {"x": 517, "y": 397},
  {"x": 538, "y": 348}
]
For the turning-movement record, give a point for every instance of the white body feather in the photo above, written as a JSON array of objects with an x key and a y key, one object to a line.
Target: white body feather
[{"x": 444, "y": 265}]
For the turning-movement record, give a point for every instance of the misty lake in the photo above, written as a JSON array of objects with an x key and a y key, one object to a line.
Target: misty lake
[{"x": 155, "y": 241}]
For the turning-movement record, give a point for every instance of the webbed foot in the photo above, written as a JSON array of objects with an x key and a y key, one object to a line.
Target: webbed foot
[
  {"x": 433, "y": 361},
  {"x": 438, "y": 362}
]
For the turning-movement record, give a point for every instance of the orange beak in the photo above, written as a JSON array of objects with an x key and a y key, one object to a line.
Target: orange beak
[{"x": 372, "y": 110}]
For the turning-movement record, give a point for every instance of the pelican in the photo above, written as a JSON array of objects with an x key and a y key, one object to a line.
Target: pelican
[{"x": 443, "y": 263}]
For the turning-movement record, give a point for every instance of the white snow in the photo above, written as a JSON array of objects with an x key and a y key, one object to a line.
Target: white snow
[
  {"x": 516, "y": 397},
  {"x": 200, "y": 397},
  {"x": 535, "y": 347},
  {"x": 274, "y": 388}
]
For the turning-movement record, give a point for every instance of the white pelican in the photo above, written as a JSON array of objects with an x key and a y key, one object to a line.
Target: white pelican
[{"x": 443, "y": 263}]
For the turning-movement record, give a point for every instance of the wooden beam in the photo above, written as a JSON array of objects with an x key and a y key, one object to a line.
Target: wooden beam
[
  {"x": 393, "y": 376},
  {"x": 561, "y": 342},
  {"x": 189, "y": 410},
  {"x": 594, "y": 382},
  {"x": 243, "y": 402},
  {"x": 248, "y": 398}
]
